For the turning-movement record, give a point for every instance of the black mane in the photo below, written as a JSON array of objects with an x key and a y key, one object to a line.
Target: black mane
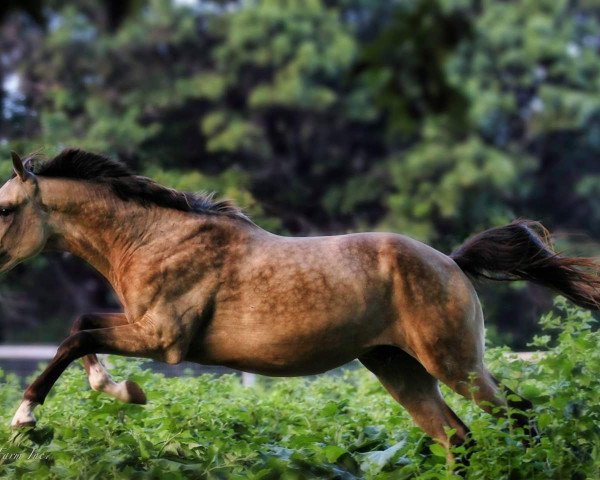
[{"x": 79, "y": 164}]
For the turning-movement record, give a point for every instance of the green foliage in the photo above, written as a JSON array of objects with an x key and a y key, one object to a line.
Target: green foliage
[
  {"x": 334, "y": 426},
  {"x": 447, "y": 181},
  {"x": 404, "y": 65},
  {"x": 531, "y": 78},
  {"x": 301, "y": 44}
]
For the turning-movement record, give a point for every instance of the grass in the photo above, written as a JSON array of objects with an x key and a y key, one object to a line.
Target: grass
[{"x": 344, "y": 426}]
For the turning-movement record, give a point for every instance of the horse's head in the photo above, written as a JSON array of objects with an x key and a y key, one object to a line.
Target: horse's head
[{"x": 23, "y": 222}]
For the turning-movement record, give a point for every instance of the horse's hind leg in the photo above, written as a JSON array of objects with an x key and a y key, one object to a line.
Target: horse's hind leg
[
  {"x": 100, "y": 380},
  {"x": 495, "y": 398},
  {"x": 457, "y": 360},
  {"x": 417, "y": 391}
]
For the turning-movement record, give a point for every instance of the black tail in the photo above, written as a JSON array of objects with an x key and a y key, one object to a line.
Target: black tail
[{"x": 522, "y": 251}]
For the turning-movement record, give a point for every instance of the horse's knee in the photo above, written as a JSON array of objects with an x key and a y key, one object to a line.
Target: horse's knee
[
  {"x": 77, "y": 325},
  {"x": 76, "y": 345},
  {"x": 82, "y": 322}
]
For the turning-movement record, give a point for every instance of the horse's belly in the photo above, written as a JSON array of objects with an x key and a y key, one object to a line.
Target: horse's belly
[
  {"x": 274, "y": 360},
  {"x": 278, "y": 350}
]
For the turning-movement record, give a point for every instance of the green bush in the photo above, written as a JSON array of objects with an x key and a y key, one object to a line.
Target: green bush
[{"x": 333, "y": 426}]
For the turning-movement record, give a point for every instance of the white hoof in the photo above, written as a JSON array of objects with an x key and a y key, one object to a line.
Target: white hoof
[
  {"x": 128, "y": 392},
  {"x": 24, "y": 415}
]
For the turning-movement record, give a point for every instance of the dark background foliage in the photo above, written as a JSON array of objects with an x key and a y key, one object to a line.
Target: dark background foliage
[{"x": 433, "y": 118}]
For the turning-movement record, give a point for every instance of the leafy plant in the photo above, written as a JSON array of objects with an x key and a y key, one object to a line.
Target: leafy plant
[{"x": 332, "y": 426}]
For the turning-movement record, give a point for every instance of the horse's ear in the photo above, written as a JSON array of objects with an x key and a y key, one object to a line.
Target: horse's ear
[{"x": 18, "y": 167}]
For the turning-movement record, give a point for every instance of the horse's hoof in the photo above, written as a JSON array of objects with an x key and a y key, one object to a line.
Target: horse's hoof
[
  {"x": 125, "y": 391},
  {"x": 22, "y": 425},
  {"x": 135, "y": 393},
  {"x": 24, "y": 416}
]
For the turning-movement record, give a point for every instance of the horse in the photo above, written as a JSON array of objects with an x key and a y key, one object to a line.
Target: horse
[{"x": 199, "y": 281}]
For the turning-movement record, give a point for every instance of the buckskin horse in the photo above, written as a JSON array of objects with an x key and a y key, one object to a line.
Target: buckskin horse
[{"x": 199, "y": 281}]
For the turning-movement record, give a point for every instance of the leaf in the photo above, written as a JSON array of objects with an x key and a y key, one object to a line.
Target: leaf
[
  {"x": 333, "y": 452},
  {"x": 375, "y": 462},
  {"x": 438, "y": 450}
]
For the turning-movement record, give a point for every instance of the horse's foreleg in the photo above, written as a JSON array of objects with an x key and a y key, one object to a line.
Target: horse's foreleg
[
  {"x": 136, "y": 340},
  {"x": 417, "y": 391},
  {"x": 99, "y": 378}
]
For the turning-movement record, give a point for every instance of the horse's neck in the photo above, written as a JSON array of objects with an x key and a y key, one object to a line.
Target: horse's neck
[
  {"x": 113, "y": 235},
  {"x": 100, "y": 229}
]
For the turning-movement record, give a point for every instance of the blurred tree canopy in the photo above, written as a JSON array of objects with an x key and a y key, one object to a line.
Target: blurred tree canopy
[{"x": 433, "y": 118}]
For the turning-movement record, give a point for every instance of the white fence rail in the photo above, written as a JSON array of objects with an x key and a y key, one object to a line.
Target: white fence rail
[
  {"x": 46, "y": 352},
  {"x": 27, "y": 352}
]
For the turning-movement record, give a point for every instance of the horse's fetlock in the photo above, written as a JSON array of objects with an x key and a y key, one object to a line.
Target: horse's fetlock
[{"x": 98, "y": 378}]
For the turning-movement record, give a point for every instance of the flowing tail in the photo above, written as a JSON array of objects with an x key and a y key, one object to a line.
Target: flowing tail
[{"x": 522, "y": 251}]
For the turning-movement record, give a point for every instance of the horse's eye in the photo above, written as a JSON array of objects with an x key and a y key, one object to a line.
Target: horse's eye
[{"x": 5, "y": 212}]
